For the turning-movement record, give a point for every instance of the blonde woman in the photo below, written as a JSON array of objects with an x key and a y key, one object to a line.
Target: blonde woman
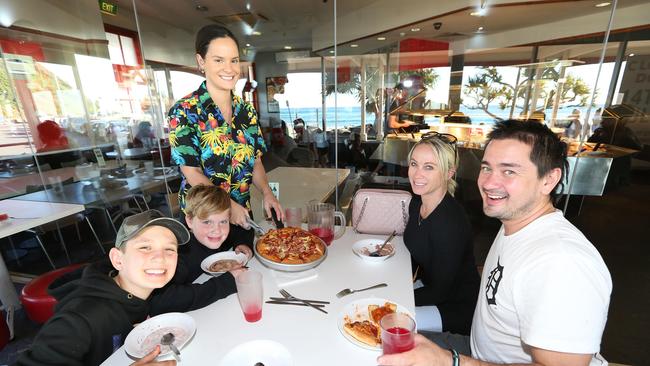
[{"x": 438, "y": 235}]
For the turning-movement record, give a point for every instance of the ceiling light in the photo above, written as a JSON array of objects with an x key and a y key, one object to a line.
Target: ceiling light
[
  {"x": 331, "y": 51},
  {"x": 415, "y": 29},
  {"x": 201, "y": 8},
  {"x": 602, "y": 5},
  {"x": 354, "y": 45},
  {"x": 256, "y": 33},
  {"x": 287, "y": 47},
  {"x": 381, "y": 38},
  {"x": 480, "y": 29},
  {"x": 248, "y": 6},
  {"x": 402, "y": 34},
  {"x": 630, "y": 55},
  {"x": 479, "y": 12},
  {"x": 248, "y": 44}
]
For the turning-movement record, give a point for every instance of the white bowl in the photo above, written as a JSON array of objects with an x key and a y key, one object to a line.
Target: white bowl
[
  {"x": 371, "y": 245},
  {"x": 205, "y": 264},
  {"x": 143, "y": 338}
]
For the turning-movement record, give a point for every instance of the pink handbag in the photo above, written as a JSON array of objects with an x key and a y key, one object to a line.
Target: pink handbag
[{"x": 380, "y": 211}]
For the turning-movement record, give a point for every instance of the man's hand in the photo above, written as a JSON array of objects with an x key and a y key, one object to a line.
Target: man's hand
[
  {"x": 241, "y": 248},
  {"x": 238, "y": 214},
  {"x": 150, "y": 360},
  {"x": 425, "y": 353}
]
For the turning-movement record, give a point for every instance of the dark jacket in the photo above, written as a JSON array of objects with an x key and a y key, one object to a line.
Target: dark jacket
[
  {"x": 181, "y": 292},
  {"x": 91, "y": 320},
  {"x": 441, "y": 245}
]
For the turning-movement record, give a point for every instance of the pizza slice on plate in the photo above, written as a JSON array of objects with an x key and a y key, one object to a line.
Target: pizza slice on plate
[
  {"x": 364, "y": 331},
  {"x": 377, "y": 312}
]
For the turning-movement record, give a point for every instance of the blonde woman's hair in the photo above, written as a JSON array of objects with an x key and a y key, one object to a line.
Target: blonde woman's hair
[
  {"x": 446, "y": 154},
  {"x": 202, "y": 201}
]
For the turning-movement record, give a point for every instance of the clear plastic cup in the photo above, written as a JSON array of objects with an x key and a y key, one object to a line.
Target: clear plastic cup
[
  {"x": 397, "y": 333},
  {"x": 250, "y": 292},
  {"x": 293, "y": 216}
]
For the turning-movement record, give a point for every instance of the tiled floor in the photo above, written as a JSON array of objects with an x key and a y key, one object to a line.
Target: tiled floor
[{"x": 616, "y": 223}]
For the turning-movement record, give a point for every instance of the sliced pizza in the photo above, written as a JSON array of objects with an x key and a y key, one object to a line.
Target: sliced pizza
[
  {"x": 290, "y": 246},
  {"x": 364, "y": 331}
]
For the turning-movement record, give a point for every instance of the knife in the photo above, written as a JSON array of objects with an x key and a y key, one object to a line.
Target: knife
[
  {"x": 278, "y": 223},
  {"x": 289, "y": 302}
]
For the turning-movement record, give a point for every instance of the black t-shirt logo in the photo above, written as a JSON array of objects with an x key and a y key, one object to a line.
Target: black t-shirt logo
[{"x": 493, "y": 284}]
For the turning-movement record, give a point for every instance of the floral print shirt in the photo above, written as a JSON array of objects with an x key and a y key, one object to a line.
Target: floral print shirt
[{"x": 226, "y": 152}]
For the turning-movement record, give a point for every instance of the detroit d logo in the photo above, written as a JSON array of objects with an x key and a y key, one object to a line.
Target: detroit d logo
[{"x": 493, "y": 284}]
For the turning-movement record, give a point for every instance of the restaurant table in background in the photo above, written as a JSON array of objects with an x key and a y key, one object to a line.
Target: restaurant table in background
[
  {"x": 15, "y": 185},
  {"x": 86, "y": 194},
  {"x": 299, "y": 186},
  {"x": 24, "y": 215},
  {"x": 311, "y": 337}
]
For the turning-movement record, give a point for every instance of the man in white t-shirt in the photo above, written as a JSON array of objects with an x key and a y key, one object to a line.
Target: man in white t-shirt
[{"x": 545, "y": 289}]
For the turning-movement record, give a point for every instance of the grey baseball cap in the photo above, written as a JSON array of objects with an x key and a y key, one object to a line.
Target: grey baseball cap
[{"x": 134, "y": 224}]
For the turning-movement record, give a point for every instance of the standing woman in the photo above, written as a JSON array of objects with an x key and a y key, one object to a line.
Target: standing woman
[
  {"x": 438, "y": 235},
  {"x": 215, "y": 136}
]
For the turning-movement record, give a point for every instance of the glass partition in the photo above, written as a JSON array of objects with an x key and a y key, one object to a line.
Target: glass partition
[{"x": 342, "y": 92}]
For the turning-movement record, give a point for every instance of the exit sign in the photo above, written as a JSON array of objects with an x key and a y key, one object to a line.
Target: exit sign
[{"x": 107, "y": 8}]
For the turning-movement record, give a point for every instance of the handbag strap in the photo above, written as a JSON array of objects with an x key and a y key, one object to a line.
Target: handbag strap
[{"x": 363, "y": 209}]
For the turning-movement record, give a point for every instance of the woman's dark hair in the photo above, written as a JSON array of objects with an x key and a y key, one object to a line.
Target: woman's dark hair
[
  {"x": 547, "y": 150},
  {"x": 206, "y": 34}
]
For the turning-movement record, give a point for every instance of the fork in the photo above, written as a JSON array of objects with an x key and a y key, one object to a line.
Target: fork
[
  {"x": 347, "y": 291},
  {"x": 287, "y": 295}
]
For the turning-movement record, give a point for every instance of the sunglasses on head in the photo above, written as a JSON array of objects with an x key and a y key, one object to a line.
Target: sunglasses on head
[{"x": 445, "y": 137}]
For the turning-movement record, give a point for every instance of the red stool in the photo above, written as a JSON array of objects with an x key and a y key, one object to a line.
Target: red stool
[{"x": 38, "y": 304}]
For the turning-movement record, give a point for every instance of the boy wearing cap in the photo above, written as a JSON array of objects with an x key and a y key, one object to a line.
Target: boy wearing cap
[
  {"x": 207, "y": 214},
  {"x": 96, "y": 312}
]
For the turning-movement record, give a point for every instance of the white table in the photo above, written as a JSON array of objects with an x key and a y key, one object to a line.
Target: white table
[
  {"x": 299, "y": 186},
  {"x": 311, "y": 336},
  {"x": 25, "y": 215}
]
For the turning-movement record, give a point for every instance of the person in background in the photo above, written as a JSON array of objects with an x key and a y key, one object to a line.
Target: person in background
[
  {"x": 575, "y": 127},
  {"x": 322, "y": 147},
  {"x": 397, "y": 122},
  {"x": 357, "y": 153},
  {"x": 51, "y": 136},
  {"x": 545, "y": 289},
  {"x": 215, "y": 136},
  {"x": 145, "y": 137},
  {"x": 207, "y": 214},
  {"x": 95, "y": 312},
  {"x": 439, "y": 238},
  {"x": 598, "y": 117}
]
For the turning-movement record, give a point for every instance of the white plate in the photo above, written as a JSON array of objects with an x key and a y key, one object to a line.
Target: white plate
[
  {"x": 358, "y": 311},
  {"x": 269, "y": 353},
  {"x": 371, "y": 245},
  {"x": 143, "y": 338},
  {"x": 205, "y": 264}
]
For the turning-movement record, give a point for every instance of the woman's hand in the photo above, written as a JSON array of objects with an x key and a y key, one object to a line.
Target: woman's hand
[
  {"x": 242, "y": 248},
  {"x": 150, "y": 360},
  {"x": 271, "y": 202},
  {"x": 238, "y": 214}
]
